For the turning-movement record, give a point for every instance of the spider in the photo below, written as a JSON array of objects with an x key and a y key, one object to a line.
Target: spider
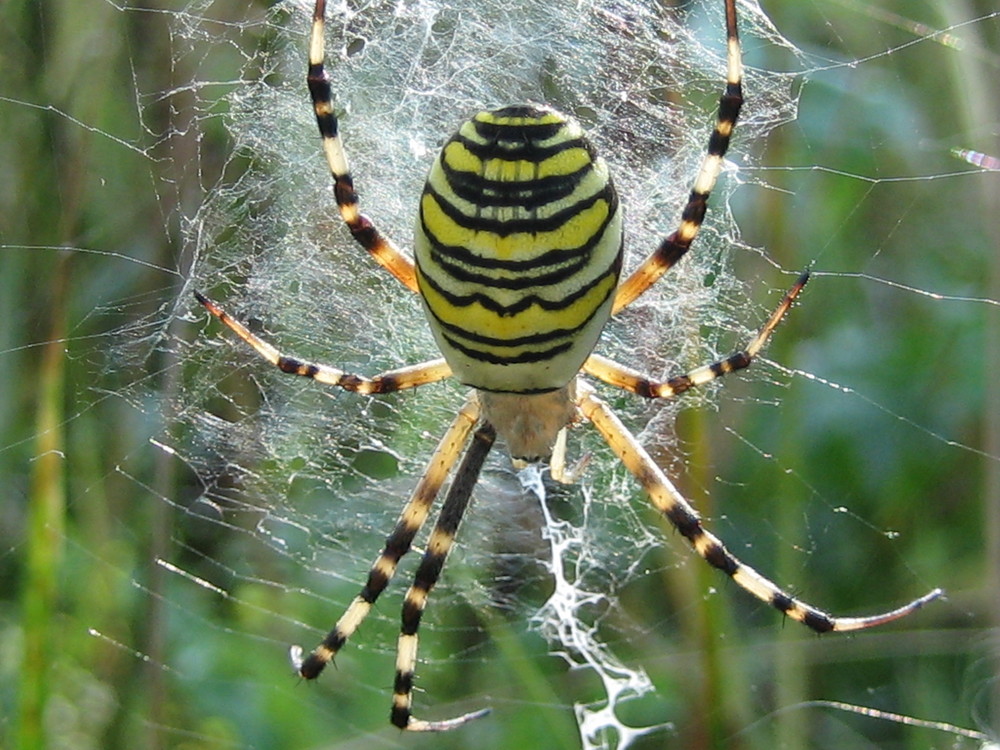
[{"x": 517, "y": 256}]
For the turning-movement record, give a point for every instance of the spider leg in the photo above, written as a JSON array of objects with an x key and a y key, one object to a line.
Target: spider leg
[
  {"x": 628, "y": 379},
  {"x": 398, "y": 543},
  {"x": 558, "y": 469},
  {"x": 387, "y": 382},
  {"x": 673, "y": 248},
  {"x": 426, "y": 577},
  {"x": 669, "y": 501},
  {"x": 385, "y": 252}
]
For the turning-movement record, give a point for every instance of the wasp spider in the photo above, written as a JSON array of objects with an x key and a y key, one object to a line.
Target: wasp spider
[{"x": 517, "y": 256}]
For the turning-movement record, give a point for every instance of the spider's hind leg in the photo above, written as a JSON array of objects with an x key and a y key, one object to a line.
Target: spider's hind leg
[
  {"x": 676, "y": 245},
  {"x": 385, "y": 252}
]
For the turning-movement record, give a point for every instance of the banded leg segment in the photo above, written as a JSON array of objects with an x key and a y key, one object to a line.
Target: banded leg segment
[
  {"x": 425, "y": 579},
  {"x": 387, "y": 382},
  {"x": 385, "y": 252},
  {"x": 398, "y": 543},
  {"x": 673, "y": 248},
  {"x": 628, "y": 379},
  {"x": 669, "y": 501}
]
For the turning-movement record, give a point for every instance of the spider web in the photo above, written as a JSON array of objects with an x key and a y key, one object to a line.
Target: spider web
[
  {"x": 402, "y": 71},
  {"x": 280, "y": 492}
]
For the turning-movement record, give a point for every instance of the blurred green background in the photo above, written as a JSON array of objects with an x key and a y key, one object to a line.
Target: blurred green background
[{"x": 98, "y": 648}]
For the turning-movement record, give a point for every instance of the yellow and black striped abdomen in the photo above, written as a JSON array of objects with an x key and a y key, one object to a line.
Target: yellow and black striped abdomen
[{"x": 518, "y": 249}]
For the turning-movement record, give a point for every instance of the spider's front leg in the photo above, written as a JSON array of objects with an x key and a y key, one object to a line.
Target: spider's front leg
[
  {"x": 411, "y": 520},
  {"x": 438, "y": 547},
  {"x": 669, "y": 501}
]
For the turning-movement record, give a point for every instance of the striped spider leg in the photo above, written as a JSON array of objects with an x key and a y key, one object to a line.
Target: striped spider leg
[
  {"x": 673, "y": 505},
  {"x": 411, "y": 519},
  {"x": 630, "y": 380},
  {"x": 382, "y": 249},
  {"x": 665, "y": 497},
  {"x": 398, "y": 543},
  {"x": 425, "y": 579},
  {"x": 676, "y": 244},
  {"x": 387, "y": 382}
]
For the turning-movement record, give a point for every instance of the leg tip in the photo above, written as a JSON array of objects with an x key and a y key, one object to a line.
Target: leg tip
[
  {"x": 413, "y": 724},
  {"x": 309, "y": 667}
]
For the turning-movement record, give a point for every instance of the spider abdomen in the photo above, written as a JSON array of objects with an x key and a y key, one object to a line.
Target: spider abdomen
[{"x": 518, "y": 249}]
